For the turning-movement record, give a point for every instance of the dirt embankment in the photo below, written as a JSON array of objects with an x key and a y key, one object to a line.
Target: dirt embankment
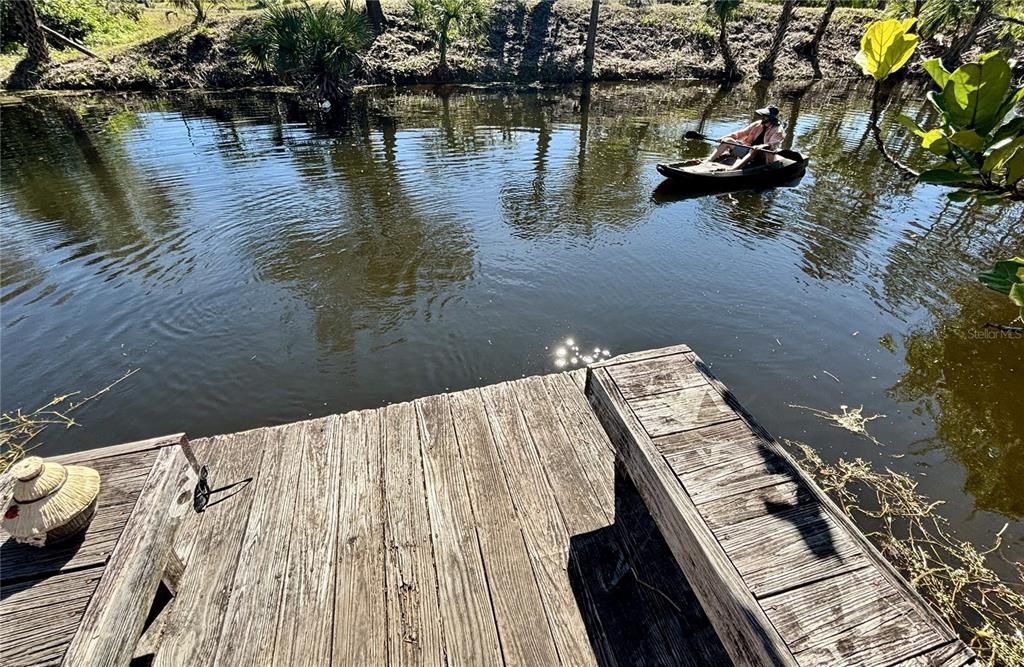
[{"x": 527, "y": 41}]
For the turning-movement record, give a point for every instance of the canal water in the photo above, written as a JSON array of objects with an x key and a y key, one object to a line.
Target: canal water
[{"x": 260, "y": 264}]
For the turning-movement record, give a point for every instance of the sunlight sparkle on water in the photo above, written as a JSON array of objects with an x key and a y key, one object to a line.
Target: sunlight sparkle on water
[{"x": 570, "y": 354}]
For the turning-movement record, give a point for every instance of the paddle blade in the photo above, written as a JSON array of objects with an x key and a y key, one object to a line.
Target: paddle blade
[{"x": 693, "y": 134}]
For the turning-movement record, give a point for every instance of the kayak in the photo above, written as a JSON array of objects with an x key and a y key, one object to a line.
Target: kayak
[{"x": 702, "y": 175}]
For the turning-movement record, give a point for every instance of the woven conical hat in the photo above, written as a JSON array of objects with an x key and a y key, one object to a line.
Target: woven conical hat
[{"x": 48, "y": 495}]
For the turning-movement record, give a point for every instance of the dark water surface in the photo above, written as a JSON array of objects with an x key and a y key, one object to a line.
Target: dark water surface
[{"x": 261, "y": 265}]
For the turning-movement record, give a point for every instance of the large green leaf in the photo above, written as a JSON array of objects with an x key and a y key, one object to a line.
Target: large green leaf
[
  {"x": 935, "y": 141},
  {"x": 1017, "y": 296},
  {"x": 974, "y": 93},
  {"x": 939, "y": 74},
  {"x": 1004, "y": 275},
  {"x": 1014, "y": 127},
  {"x": 968, "y": 139},
  {"x": 1014, "y": 167},
  {"x": 910, "y": 124},
  {"x": 1000, "y": 152},
  {"x": 886, "y": 47}
]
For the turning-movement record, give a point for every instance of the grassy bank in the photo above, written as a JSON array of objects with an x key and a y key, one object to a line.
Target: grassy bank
[{"x": 524, "y": 41}]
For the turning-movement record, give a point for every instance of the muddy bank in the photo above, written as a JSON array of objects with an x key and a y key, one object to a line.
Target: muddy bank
[{"x": 526, "y": 42}]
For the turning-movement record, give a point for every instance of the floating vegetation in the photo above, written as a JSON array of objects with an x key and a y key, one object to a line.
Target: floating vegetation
[
  {"x": 955, "y": 576},
  {"x": 568, "y": 353},
  {"x": 18, "y": 429},
  {"x": 851, "y": 420}
]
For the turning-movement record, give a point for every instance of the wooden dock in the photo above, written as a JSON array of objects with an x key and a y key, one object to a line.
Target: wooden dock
[{"x": 494, "y": 526}]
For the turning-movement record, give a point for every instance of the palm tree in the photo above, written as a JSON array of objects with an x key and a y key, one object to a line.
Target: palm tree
[
  {"x": 819, "y": 34},
  {"x": 447, "y": 19},
  {"x": 35, "y": 40},
  {"x": 588, "y": 53},
  {"x": 766, "y": 68},
  {"x": 723, "y": 11}
]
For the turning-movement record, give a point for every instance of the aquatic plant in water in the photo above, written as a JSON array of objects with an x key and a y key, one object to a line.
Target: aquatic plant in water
[{"x": 955, "y": 576}]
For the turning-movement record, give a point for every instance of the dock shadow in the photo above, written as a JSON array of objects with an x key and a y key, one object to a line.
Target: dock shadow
[{"x": 637, "y": 605}]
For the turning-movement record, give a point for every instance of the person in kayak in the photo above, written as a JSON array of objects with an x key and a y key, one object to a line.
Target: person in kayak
[{"x": 765, "y": 132}]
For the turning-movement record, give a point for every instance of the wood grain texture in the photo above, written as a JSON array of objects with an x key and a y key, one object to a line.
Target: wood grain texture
[
  {"x": 39, "y": 617},
  {"x": 250, "y": 621},
  {"x": 92, "y": 456},
  {"x": 641, "y": 355},
  {"x": 656, "y": 376},
  {"x": 745, "y": 631},
  {"x": 580, "y": 505},
  {"x": 113, "y": 620},
  {"x": 681, "y": 410},
  {"x": 360, "y": 610},
  {"x": 856, "y": 618},
  {"x": 585, "y": 437},
  {"x": 515, "y": 594},
  {"x": 951, "y": 654},
  {"x": 543, "y": 525},
  {"x": 305, "y": 624},
  {"x": 414, "y": 624},
  {"x": 471, "y": 636},
  {"x": 197, "y": 613}
]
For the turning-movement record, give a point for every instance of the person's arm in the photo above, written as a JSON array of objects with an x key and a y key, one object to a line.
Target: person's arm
[{"x": 740, "y": 135}]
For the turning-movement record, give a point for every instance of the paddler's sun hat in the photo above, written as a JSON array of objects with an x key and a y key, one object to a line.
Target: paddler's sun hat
[
  {"x": 50, "y": 501},
  {"x": 770, "y": 111}
]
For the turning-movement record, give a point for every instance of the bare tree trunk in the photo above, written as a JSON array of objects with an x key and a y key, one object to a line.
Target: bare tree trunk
[
  {"x": 732, "y": 72},
  {"x": 819, "y": 34},
  {"x": 951, "y": 58},
  {"x": 375, "y": 13},
  {"x": 766, "y": 68},
  {"x": 35, "y": 39},
  {"x": 588, "y": 53}
]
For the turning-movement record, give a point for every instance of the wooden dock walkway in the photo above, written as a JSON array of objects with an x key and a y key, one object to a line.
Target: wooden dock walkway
[{"x": 494, "y": 526}]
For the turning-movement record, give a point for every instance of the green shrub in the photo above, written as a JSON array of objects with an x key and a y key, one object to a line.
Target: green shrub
[
  {"x": 446, "y": 20},
  {"x": 82, "y": 20},
  {"x": 313, "y": 47}
]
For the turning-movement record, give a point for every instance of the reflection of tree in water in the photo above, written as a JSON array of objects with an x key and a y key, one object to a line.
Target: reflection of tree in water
[
  {"x": 67, "y": 164},
  {"x": 967, "y": 379},
  {"x": 366, "y": 259}
]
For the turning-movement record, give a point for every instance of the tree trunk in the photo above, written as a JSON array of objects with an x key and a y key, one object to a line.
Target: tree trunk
[
  {"x": 766, "y": 68},
  {"x": 375, "y": 13},
  {"x": 732, "y": 72},
  {"x": 588, "y": 53},
  {"x": 819, "y": 34},
  {"x": 35, "y": 39},
  {"x": 951, "y": 58}
]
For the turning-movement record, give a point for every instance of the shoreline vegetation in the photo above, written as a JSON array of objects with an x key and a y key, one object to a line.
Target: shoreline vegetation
[{"x": 515, "y": 41}]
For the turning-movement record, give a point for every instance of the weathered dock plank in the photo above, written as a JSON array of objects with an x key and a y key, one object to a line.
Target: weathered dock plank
[
  {"x": 471, "y": 636},
  {"x": 360, "y": 607},
  {"x": 197, "y": 613},
  {"x": 414, "y": 623},
  {"x": 305, "y": 624},
  {"x": 769, "y": 555},
  {"x": 518, "y": 608}
]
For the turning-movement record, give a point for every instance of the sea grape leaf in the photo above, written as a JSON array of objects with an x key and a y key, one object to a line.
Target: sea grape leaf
[
  {"x": 886, "y": 47},
  {"x": 935, "y": 141},
  {"x": 1017, "y": 296},
  {"x": 1015, "y": 167},
  {"x": 968, "y": 139},
  {"x": 1000, "y": 152},
  {"x": 1004, "y": 275},
  {"x": 974, "y": 93},
  {"x": 910, "y": 124},
  {"x": 939, "y": 74},
  {"x": 1011, "y": 128}
]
